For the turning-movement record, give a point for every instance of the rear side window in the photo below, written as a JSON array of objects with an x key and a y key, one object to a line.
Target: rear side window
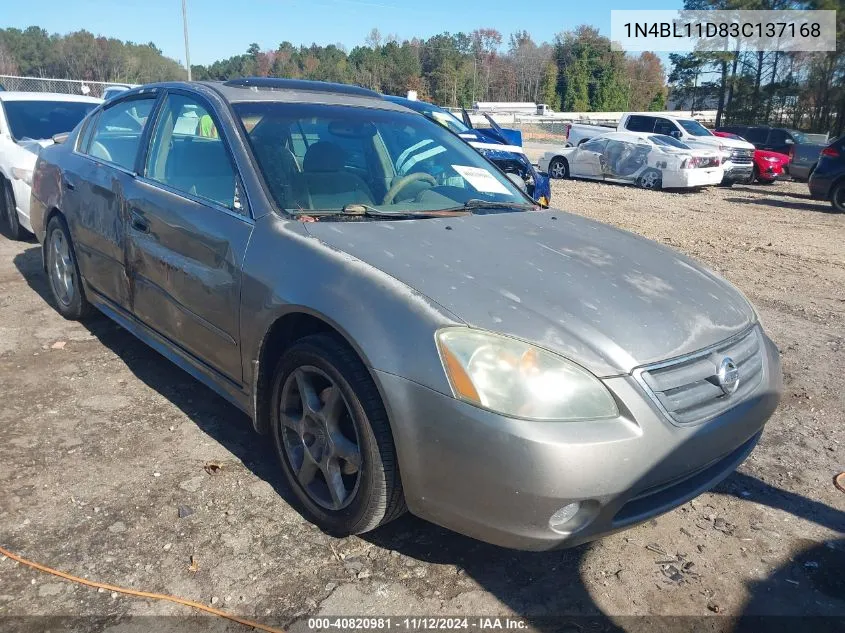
[
  {"x": 639, "y": 123},
  {"x": 116, "y": 135},
  {"x": 756, "y": 135},
  {"x": 187, "y": 153}
]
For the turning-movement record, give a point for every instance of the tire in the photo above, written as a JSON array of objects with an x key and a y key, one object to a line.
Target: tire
[
  {"x": 63, "y": 271},
  {"x": 755, "y": 176},
  {"x": 558, "y": 168},
  {"x": 327, "y": 369},
  {"x": 650, "y": 179},
  {"x": 837, "y": 197},
  {"x": 9, "y": 221}
]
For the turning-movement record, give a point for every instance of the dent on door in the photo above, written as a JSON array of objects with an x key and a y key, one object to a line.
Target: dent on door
[{"x": 185, "y": 265}]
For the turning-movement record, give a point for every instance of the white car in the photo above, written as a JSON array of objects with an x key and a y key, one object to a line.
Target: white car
[
  {"x": 28, "y": 122},
  {"x": 651, "y": 161}
]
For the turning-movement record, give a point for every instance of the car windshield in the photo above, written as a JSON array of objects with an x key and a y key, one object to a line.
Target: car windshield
[
  {"x": 330, "y": 158},
  {"x": 39, "y": 120},
  {"x": 694, "y": 127},
  {"x": 667, "y": 141}
]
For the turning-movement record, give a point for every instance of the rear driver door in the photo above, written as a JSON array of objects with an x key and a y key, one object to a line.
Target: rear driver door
[{"x": 188, "y": 234}]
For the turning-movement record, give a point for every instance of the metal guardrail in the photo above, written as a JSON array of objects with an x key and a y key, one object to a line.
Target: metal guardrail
[{"x": 62, "y": 86}]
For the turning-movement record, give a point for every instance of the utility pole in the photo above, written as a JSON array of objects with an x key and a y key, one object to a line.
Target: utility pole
[{"x": 185, "y": 27}]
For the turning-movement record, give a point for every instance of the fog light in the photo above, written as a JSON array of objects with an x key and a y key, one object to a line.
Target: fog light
[
  {"x": 564, "y": 515},
  {"x": 574, "y": 516}
]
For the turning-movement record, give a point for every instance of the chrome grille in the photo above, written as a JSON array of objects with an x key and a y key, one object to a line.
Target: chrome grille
[
  {"x": 741, "y": 156},
  {"x": 688, "y": 390}
]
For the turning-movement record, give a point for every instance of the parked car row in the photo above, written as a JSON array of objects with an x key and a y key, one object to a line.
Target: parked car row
[
  {"x": 803, "y": 153},
  {"x": 409, "y": 328},
  {"x": 736, "y": 154}
]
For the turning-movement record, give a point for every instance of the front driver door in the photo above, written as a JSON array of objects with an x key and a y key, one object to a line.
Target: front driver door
[
  {"x": 586, "y": 160},
  {"x": 188, "y": 235}
]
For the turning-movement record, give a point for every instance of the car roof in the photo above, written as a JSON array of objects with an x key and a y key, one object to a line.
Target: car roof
[
  {"x": 10, "y": 95},
  {"x": 297, "y": 91}
]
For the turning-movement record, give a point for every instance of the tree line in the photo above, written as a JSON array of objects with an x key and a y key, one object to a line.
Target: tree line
[
  {"x": 794, "y": 89},
  {"x": 576, "y": 71}
]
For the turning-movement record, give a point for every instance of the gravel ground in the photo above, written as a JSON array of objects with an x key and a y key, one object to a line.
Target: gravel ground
[{"x": 117, "y": 466}]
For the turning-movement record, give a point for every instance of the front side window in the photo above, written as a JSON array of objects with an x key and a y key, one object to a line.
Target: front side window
[
  {"x": 665, "y": 126},
  {"x": 41, "y": 120},
  {"x": 187, "y": 153},
  {"x": 694, "y": 127},
  {"x": 116, "y": 135},
  {"x": 324, "y": 158}
]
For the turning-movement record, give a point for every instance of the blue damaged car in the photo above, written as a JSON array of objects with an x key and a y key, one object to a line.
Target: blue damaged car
[{"x": 500, "y": 146}]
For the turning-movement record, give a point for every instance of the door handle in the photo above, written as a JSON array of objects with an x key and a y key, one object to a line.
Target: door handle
[{"x": 139, "y": 223}]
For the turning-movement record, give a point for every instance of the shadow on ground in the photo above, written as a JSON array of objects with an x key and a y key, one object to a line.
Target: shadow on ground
[
  {"x": 818, "y": 206},
  {"x": 538, "y": 585}
]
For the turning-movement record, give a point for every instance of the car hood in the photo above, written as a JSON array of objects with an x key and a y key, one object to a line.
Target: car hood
[
  {"x": 600, "y": 296},
  {"x": 715, "y": 141}
]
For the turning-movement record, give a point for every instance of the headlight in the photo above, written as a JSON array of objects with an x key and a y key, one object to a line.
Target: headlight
[
  {"x": 22, "y": 174},
  {"x": 517, "y": 379}
]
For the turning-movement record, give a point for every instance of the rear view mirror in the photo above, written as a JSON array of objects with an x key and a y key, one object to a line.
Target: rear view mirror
[{"x": 346, "y": 129}]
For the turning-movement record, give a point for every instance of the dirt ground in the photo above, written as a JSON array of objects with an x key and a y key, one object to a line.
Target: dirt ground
[{"x": 104, "y": 444}]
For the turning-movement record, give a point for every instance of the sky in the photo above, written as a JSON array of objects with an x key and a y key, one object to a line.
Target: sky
[{"x": 221, "y": 28}]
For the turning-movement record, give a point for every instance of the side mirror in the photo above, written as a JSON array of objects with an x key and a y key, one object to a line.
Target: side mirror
[
  {"x": 518, "y": 181},
  {"x": 789, "y": 141},
  {"x": 675, "y": 134},
  {"x": 58, "y": 139}
]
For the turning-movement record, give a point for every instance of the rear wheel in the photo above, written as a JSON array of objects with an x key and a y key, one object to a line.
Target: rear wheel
[
  {"x": 559, "y": 168},
  {"x": 333, "y": 439},
  {"x": 650, "y": 179},
  {"x": 837, "y": 197},
  {"x": 65, "y": 280},
  {"x": 10, "y": 223}
]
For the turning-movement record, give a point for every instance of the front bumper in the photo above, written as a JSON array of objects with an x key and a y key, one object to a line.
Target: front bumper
[
  {"x": 738, "y": 173},
  {"x": 769, "y": 171},
  {"x": 700, "y": 177},
  {"x": 500, "y": 479}
]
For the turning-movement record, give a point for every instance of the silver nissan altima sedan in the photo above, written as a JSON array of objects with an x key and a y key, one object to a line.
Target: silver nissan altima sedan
[{"x": 405, "y": 324}]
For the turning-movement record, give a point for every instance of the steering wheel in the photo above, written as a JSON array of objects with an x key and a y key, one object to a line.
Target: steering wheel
[{"x": 404, "y": 181}]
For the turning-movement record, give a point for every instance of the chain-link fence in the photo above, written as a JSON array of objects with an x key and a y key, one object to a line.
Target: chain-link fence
[{"x": 62, "y": 86}]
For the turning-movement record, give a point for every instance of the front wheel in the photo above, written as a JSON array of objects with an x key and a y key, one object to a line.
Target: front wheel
[
  {"x": 10, "y": 223},
  {"x": 650, "y": 179},
  {"x": 559, "y": 168},
  {"x": 333, "y": 439},
  {"x": 62, "y": 269},
  {"x": 837, "y": 197}
]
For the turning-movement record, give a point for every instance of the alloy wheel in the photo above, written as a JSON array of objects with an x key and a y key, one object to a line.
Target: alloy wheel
[
  {"x": 649, "y": 180},
  {"x": 61, "y": 269},
  {"x": 557, "y": 169},
  {"x": 320, "y": 438}
]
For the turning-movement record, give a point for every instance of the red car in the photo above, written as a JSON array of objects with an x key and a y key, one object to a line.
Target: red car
[{"x": 768, "y": 166}]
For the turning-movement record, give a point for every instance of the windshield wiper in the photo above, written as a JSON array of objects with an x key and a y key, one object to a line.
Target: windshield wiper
[
  {"x": 476, "y": 203},
  {"x": 358, "y": 209}
]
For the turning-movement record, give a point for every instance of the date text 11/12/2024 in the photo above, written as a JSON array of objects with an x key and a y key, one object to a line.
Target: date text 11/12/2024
[{"x": 376, "y": 623}]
